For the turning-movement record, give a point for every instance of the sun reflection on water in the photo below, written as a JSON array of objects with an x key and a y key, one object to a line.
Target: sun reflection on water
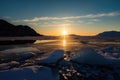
[{"x": 64, "y": 42}]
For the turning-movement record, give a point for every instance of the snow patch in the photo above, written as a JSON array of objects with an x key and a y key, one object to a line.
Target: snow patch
[
  {"x": 111, "y": 51},
  {"x": 27, "y": 55},
  {"x": 5, "y": 66},
  {"x": 29, "y": 73},
  {"x": 53, "y": 57},
  {"x": 89, "y": 56}
]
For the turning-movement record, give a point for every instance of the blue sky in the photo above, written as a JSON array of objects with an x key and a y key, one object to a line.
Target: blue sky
[{"x": 83, "y": 17}]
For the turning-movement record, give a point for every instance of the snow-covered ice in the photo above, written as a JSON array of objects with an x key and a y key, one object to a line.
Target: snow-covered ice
[
  {"x": 5, "y": 66},
  {"x": 52, "y": 58},
  {"x": 90, "y": 56},
  {"x": 27, "y": 55},
  {"x": 93, "y": 66},
  {"x": 29, "y": 73},
  {"x": 111, "y": 51}
]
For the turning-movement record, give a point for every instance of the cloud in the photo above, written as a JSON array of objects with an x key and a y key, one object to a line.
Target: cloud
[
  {"x": 95, "y": 20},
  {"x": 6, "y": 17},
  {"x": 70, "y": 17},
  {"x": 89, "y": 22},
  {"x": 80, "y": 21}
]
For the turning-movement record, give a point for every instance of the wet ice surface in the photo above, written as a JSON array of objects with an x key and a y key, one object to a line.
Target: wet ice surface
[{"x": 61, "y": 61}]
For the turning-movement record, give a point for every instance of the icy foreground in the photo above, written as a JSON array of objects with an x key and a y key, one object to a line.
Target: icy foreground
[
  {"x": 86, "y": 64},
  {"x": 29, "y": 73},
  {"x": 32, "y": 72},
  {"x": 90, "y": 56}
]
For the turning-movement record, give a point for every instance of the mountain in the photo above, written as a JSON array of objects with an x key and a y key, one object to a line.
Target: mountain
[
  {"x": 75, "y": 35},
  {"x": 109, "y": 34},
  {"x": 9, "y": 30}
]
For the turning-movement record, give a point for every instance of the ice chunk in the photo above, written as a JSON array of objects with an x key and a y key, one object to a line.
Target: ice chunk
[
  {"x": 110, "y": 49},
  {"x": 52, "y": 57},
  {"x": 29, "y": 73},
  {"x": 5, "y": 66},
  {"x": 27, "y": 55},
  {"x": 89, "y": 56}
]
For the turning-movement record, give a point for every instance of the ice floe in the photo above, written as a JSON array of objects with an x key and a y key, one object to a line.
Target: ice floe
[
  {"x": 52, "y": 58},
  {"x": 29, "y": 73},
  {"x": 90, "y": 56},
  {"x": 111, "y": 51}
]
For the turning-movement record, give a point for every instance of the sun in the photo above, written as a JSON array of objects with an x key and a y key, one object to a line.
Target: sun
[{"x": 64, "y": 32}]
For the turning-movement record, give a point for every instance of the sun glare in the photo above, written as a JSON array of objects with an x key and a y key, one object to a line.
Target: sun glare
[{"x": 64, "y": 32}]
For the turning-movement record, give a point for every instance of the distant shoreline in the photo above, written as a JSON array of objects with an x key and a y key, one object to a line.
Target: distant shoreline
[{"x": 25, "y": 38}]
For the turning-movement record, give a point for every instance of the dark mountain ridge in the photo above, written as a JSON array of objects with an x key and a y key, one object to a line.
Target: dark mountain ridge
[
  {"x": 109, "y": 34},
  {"x": 9, "y": 30}
]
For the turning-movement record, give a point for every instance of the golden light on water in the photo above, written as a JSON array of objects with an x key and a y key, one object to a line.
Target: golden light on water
[
  {"x": 64, "y": 42},
  {"x": 64, "y": 33}
]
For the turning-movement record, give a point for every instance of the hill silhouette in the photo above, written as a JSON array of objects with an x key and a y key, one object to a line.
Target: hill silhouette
[
  {"x": 9, "y": 30},
  {"x": 109, "y": 34}
]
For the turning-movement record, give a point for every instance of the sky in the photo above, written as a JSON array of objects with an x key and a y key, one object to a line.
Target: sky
[{"x": 51, "y": 17}]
